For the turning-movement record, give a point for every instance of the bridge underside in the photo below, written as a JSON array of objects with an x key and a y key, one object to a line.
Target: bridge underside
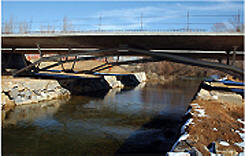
[
  {"x": 24, "y": 66},
  {"x": 153, "y": 47}
]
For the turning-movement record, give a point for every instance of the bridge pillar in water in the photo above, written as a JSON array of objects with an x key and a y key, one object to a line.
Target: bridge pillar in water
[{"x": 13, "y": 61}]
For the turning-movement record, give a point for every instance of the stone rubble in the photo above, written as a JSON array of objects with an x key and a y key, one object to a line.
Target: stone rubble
[
  {"x": 31, "y": 91},
  {"x": 23, "y": 91}
]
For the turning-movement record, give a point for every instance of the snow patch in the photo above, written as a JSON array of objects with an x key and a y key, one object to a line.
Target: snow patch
[
  {"x": 188, "y": 111},
  {"x": 242, "y": 129},
  {"x": 194, "y": 104},
  {"x": 178, "y": 154},
  {"x": 187, "y": 123},
  {"x": 182, "y": 137},
  {"x": 239, "y": 120},
  {"x": 201, "y": 112},
  {"x": 242, "y": 135},
  {"x": 224, "y": 143},
  {"x": 215, "y": 97}
]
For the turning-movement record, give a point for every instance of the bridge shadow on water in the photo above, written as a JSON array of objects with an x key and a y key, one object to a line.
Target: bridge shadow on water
[{"x": 154, "y": 138}]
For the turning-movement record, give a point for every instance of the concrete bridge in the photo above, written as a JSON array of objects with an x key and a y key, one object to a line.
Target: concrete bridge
[{"x": 181, "y": 47}]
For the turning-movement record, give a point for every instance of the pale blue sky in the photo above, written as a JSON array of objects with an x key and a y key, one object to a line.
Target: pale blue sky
[{"x": 121, "y": 15}]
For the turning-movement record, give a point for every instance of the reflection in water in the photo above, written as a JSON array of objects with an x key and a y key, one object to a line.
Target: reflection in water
[
  {"x": 32, "y": 112},
  {"x": 144, "y": 119}
]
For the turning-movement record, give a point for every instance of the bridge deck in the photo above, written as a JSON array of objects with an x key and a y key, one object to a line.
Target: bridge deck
[{"x": 205, "y": 41}]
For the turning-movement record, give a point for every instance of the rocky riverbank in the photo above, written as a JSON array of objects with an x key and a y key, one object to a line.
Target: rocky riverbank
[
  {"x": 214, "y": 124},
  {"x": 21, "y": 91}
]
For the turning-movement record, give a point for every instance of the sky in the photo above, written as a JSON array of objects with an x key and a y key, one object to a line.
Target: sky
[{"x": 122, "y": 15}]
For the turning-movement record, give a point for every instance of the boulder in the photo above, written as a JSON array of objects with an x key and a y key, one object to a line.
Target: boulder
[
  {"x": 227, "y": 97},
  {"x": 14, "y": 92},
  {"x": 178, "y": 154},
  {"x": 113, "y": 82},
  {"x": 141, "y": 77},
  {"x": 6, "y": 101}
]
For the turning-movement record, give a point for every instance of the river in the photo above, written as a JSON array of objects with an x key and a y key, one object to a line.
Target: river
[{"x": 145, "y": 119}]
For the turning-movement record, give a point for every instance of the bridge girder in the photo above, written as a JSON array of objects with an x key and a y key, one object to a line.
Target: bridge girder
[{"x": 122, "y": 51}]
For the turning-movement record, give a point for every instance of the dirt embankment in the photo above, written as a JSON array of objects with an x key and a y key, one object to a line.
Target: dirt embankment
[
  {"x": 216, "y": 124},
  {"x": 167, "y": 71}
]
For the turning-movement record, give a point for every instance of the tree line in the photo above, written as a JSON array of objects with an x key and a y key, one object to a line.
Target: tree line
[{"x": 9, "y": 26}]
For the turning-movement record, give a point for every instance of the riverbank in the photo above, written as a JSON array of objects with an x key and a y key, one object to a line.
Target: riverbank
[
  {"x": 46, "y": 87},
  {"x": 145, "y": 119},
  {"x": 165, "y": 71},
  {"x": 214, "y": 123},
  {"x": 21, "y": 91}
]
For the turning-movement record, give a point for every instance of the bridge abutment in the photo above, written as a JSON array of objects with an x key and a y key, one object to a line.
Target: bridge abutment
[{"x": 13, "y": 61}]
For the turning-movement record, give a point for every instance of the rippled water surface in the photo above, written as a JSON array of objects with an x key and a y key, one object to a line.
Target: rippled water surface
[{"x": 145, "y": 119}]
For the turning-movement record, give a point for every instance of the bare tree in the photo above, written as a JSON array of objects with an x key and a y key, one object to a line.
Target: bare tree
[
  {"x": 50, "y": 29},
  {"x": 67, "y": 26},
  {"x": 42, "y": 29},
  {"x": 235, "y": 22},
  {"x": 23, "y": 27},
  {"x": 8, "y": 26},
  {"x": 219, "y": 27},
  {"x": 47, "y": 29}
]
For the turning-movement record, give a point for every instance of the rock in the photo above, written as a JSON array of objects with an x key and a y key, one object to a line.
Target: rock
[
  {"x": 141, "y": 77},
  {"x": 37, "y": 92},
  {"x": 195, "y": 152},
  {"x": 28, "y": 94},
  {"x": 113, "y": 82},
  {"x": 32, "y": 90},
  {"x": 34, "y": 99},
  {"x": 6, "y": 87},
  {"x": 20, "y": 87},
  {"x": 64, "y": 92},
  {"x": 178, "y": 154},
  {"x": 129, "y": 80},
  {"x": 53, "y": 85},
  {"x": 18, "y": 100},
  {"x": 182, "y": 146},
  {"x": 85, "y": 85},
  {"x": 154, "y": 76},
  {"x": 14, "y": 92},
  {"x": 227, "y": 97},
  {"x": 212, "y": 147},
  {"x": 6, "y": 101},
  {"x": 204, "y": 94},
  {"x": 162, "y": 78},
  {"x": 218, "y": 148}
]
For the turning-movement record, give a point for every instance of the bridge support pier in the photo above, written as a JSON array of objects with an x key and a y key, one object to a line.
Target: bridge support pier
[{"x": 13, "y": 61}]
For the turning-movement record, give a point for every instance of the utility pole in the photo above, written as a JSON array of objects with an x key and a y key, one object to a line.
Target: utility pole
[
  {"x": 187, "y": 24},
  {"x": 141, "y": 22},
  {"x": 100, "y": 21},
  {"x": 238, "y": 21}
]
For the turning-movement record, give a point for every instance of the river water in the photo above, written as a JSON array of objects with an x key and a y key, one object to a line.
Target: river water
[{"x": 145, "y": 119}]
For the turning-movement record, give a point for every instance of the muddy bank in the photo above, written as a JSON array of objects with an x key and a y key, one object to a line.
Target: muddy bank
[{"x": 214, "y": 124}]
